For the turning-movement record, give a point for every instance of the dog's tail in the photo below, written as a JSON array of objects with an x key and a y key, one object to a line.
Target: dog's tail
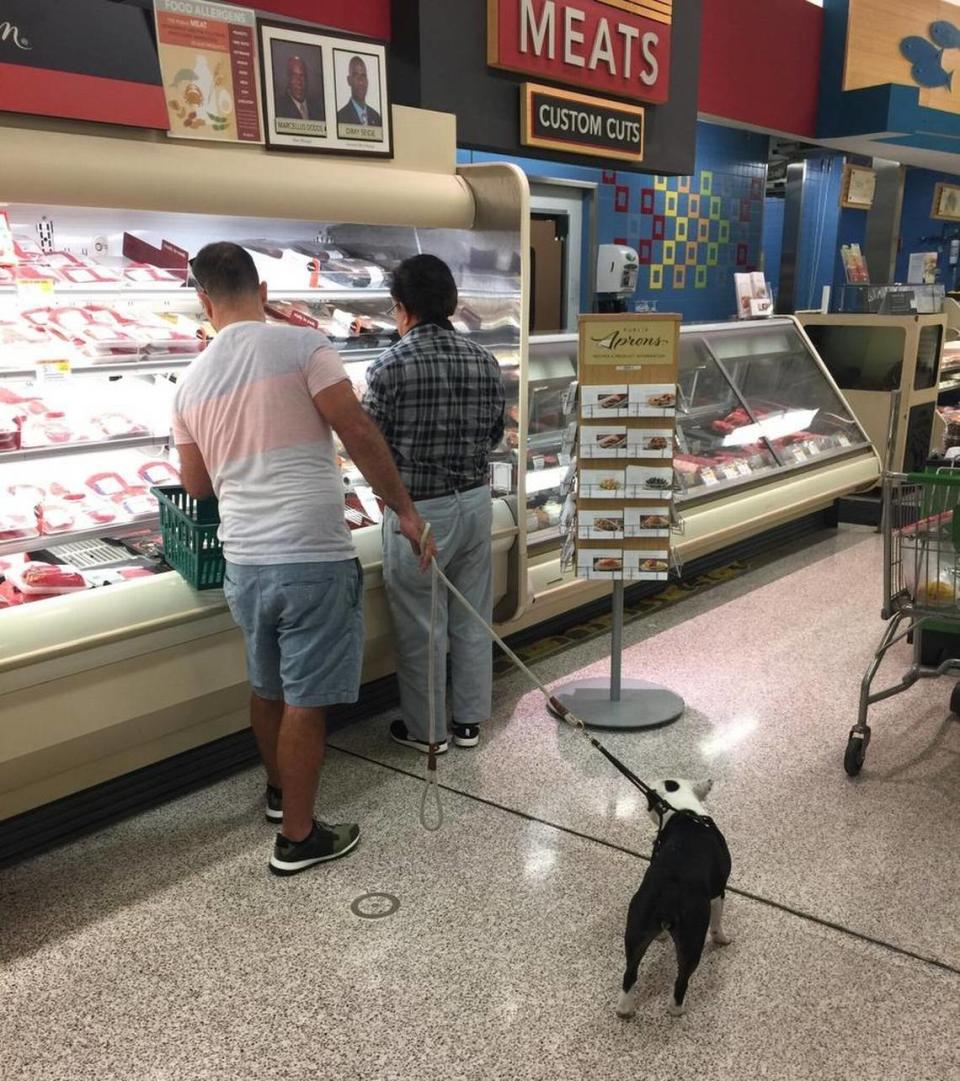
[{"x": 669, "y": 905}]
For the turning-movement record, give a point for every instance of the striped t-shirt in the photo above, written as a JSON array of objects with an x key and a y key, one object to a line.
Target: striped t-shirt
[{"x": 247, "y": 403}]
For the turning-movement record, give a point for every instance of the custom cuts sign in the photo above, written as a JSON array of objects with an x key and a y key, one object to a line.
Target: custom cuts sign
[
  {"x": 618, "y": 46},
  {"x": 560, "y": 120}
]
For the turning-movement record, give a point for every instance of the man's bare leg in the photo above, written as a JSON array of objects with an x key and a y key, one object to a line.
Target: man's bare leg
[
  {"x": 265, "y": 717},
  {"x": 300, "y": 751}
]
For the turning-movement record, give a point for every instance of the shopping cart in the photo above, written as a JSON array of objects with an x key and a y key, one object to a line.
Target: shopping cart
[{"x": 921, "y": 585}]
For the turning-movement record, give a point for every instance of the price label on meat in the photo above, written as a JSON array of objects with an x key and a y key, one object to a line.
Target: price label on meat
[
  {"x": 208, "y": 58},
  {"x": 625, "y": 480}
]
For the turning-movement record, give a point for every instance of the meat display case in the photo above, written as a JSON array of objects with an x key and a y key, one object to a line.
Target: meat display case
[
  {"x": 764, "y": 436},
  {"x": 123, "y": 673}
]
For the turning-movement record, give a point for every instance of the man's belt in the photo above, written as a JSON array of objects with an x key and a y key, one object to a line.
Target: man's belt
[{"x": 472, "y": 487}]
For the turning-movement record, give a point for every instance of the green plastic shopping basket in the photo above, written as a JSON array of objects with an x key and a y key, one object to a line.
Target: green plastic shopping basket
[{"x": 190, "y": 545}]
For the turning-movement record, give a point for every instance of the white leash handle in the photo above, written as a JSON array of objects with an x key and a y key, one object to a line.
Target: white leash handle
[{"x": 431, "y": 787}]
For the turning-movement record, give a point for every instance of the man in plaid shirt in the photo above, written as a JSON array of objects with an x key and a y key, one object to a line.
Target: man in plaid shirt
[{"x": 438, "y": 399}]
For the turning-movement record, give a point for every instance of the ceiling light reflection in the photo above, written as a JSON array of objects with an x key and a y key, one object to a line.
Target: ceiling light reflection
[
  {"x": 540, "y": 862},
  {"x": 725, "y": 739}
]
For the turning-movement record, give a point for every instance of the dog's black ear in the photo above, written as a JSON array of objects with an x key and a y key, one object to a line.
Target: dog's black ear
[{"x": 671, "y": 786}]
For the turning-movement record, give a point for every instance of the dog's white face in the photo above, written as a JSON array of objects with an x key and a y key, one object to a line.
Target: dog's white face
[{"x": 683, "y": 795}]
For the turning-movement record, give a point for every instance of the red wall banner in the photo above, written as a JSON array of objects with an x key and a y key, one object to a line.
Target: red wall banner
[
  {"x": 368, "y": 17},
  {"x": 760, "y": 63},
  {"x": 619, "y": 47}
]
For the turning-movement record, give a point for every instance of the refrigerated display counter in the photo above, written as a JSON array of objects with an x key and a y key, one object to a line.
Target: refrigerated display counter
[
  {"x": 97, "y": 323},
  {"x": 764, "y": 437},
  {"x": 872, "y": 356}
]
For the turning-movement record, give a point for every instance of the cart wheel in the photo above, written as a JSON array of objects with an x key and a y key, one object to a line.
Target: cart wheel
[
  {"x": 856, "y": 752},
  {"x": 955, "y": 701}
]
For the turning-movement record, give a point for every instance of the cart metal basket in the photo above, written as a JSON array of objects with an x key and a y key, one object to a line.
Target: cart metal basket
[{"x": 921, "y": 585}]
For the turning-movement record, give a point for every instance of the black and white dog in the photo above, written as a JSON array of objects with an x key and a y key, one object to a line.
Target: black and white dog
[{"x": 681, "y": 894}]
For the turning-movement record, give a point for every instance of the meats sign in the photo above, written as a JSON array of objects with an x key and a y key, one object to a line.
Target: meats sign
[{"x": 618, "y": 46}]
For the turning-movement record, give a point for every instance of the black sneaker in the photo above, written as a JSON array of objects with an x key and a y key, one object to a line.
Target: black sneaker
[
  {"x": 274, "y": 804},
  {"x": 324, "y": 843},
  {"x": 399, "y": 734},
  {"x": 466, "y": 735}
]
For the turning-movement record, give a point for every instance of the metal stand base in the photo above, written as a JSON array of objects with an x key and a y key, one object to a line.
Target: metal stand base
[
  {"x": 616, "y": 702},
  {"x": 641, "y": 704}
]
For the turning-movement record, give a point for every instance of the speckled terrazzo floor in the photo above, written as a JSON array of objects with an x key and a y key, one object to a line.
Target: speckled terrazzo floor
[{"x": 160, "y": 948}]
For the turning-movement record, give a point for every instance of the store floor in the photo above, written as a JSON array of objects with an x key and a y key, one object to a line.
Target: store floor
[{"x": 161, "y": 948}]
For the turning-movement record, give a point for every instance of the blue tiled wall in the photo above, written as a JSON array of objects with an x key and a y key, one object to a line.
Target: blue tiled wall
[
  {"x": 917, "y": 223},
  {"x": 692, "y": 233}
]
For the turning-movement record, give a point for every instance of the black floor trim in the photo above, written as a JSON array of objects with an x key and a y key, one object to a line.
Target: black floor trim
[{"x": 569, "y": 831}]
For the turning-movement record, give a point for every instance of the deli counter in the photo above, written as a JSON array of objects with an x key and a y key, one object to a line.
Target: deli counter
[
  {"x": 97, "y": 323},
  {"x": 108, "y": 660}
]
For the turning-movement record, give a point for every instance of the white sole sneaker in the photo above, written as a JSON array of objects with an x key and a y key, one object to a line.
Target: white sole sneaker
[
  {"x": 466, "y": 741},
  {"x": 399, "y": 734}
]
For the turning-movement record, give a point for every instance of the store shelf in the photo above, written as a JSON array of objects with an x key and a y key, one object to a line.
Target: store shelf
[
  {"x": 62, "y": 450},
  {"x": 147, "y": 366},
  {"x": 117, "y": 530}
]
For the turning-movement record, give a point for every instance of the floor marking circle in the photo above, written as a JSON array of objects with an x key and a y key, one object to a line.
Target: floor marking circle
[{"x": 375, "y": 906}]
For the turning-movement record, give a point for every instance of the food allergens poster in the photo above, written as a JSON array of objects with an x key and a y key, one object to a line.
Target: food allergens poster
[
  {"x": 208, "y": 58},
  {"x": 628, "y": 405}
]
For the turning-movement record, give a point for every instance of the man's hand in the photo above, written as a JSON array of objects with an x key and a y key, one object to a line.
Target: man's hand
[{"x": 412, "y": 526}]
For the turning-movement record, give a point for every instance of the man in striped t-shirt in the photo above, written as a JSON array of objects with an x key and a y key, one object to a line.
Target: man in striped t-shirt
[{"x": 253, "y": 424}]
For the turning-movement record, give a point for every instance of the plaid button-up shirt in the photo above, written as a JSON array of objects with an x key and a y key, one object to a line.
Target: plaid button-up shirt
[{"x": 438, "y": 399}]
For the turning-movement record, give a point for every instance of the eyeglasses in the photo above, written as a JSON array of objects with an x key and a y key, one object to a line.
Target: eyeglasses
[
  {"x": 193, "y": 281},
  {"x": 394, "y": 309}
]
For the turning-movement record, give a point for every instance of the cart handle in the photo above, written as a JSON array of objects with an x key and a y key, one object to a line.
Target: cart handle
[{"x": 934, "y": 478}]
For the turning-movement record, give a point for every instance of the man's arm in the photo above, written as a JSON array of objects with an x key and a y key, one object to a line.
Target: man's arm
[
  {"x": 193, "y": 471},
  {"x": 338, "y": 405}
]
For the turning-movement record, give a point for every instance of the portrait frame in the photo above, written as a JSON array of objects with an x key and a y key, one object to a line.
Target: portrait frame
[
  {"x": 859, "y": 187},
  {"x": 946, "y": 202},
  {"x": 321, "y": 55}
]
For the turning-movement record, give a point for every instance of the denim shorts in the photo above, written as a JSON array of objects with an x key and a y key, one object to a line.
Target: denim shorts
[{"x": 303, "y": 628}]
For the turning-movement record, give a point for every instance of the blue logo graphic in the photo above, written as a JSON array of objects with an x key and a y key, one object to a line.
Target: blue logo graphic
[{"x": 926, "y": 56}]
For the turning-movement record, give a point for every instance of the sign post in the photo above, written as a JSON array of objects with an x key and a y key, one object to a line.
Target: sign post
[{"x": 628, "y": 402}]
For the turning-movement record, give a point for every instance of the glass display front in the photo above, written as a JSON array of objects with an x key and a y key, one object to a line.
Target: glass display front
[
  {"x": 97, "y": 323},
  {"x": 753, "y": 401}
]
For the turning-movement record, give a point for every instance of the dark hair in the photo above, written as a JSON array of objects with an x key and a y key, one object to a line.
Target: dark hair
[
  {"x": 425, "y": 287},
  {"x": 225, "y": 271}
]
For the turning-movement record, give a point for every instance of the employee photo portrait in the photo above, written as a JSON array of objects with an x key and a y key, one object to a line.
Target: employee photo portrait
[
  {"x": 359, "y": 99},
  {"x": 293, "y": 81}
]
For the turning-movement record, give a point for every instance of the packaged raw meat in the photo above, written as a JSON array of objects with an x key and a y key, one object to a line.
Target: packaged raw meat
[
  {"x": 137, "y": 505},
  {"x": 118, "y": 425},
  {"x": 27, "y": 495},
  {"x": 46, "y": 579},
  {"x": 159, "y": 473},
  {"x": 57, "y": 518},
  {"x": 111, "y": 485},
  {"x": 68, "y": 493},
  {"x": 9, "y": 430},
  {"x": 142, "y": 275},
  {"x": 90, "y": 274},
  {"x": 17, "y": 525}
]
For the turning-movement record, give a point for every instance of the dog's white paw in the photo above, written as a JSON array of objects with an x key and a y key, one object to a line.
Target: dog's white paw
[
  {"x": 721, "y": 938},
  {"x": 676, "y": 1011},
  {"x": 627, "y": 1006}
]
